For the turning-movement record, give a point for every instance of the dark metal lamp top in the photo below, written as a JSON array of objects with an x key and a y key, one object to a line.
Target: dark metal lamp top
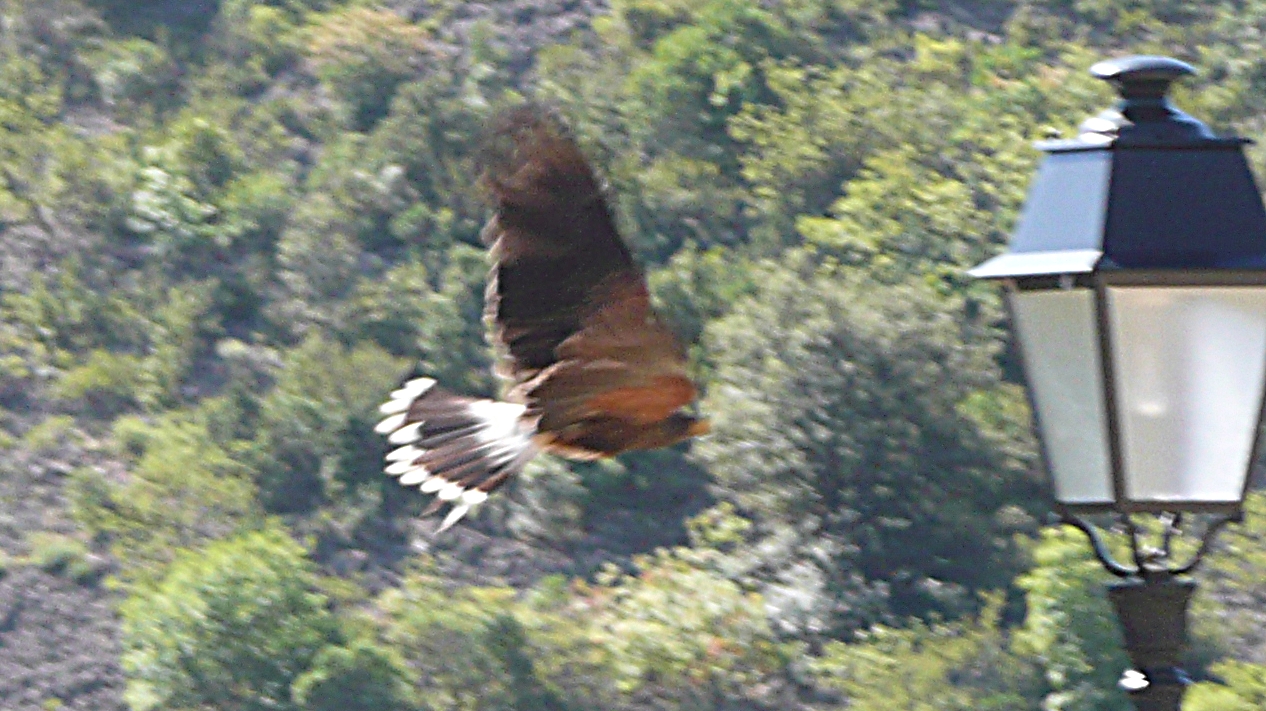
[
  {"x": 1144, "y": 186},
  {"x": 1143, "y": 114},
  {"x": 1141, "y": 76}
]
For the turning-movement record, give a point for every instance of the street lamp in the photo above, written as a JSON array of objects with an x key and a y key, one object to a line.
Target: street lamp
[{"x": 1136, "y": 283}]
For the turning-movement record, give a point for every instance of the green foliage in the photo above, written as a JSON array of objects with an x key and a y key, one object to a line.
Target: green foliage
[
  {"x": 941, "y": 667},
  {"x": 135, "y": 75},
  {"x": 315, "y": 426},
  {"x": 63, "y": 555},
  {"x": 229, "y": 228},
  {"x": 683, "y": 629},
  {"x": 436, "y": 321},
  {"x": 675, "y": 631},
  {"x": 166, "y": 207},
  {"x": 50, "y": 435},
  {"x": 1241, "y": 687},
  {"x": 464, "y": 648},
  {"x": 108, "y": 382},
  {"x": 364, "y": 54},
  {"x": 548, "y": 504},
  {"x": 696, "y": 287},
  {"x": 262, "y": 39},
  {"x": 432, "y": 133},
  {"x": 838, "y": 427},
  {"x": 1070, "y": 628},
  {"x": 360, "y": 677},
  {"x": 182, "y": 490},
  {"x": 318, "y": 263},
  {"x": 231, "y": 626},
  {"x": 61, "y": 314},
  {"x": 165, "y": 326}
]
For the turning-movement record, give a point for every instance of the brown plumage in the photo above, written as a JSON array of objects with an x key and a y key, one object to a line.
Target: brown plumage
[{"x": 592, "y": 370}]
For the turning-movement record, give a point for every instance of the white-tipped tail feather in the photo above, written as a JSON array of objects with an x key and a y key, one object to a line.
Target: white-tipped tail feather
[
  {"x": 408, "y": 452},
  {"x": 414, "y": 476},
  {"x": 458, "y": 448},
  {"x": 409, "y": 391},
  {"x": 404, "y": 435},
  {"x": 391, "y": 424}
]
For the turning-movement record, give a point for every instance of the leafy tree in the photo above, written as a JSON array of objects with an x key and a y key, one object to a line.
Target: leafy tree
[
  {"x": 135, "y": 76},
  {"x": 683, "y": 633},
  {"x": 170, "y": 331},
  {"x": 432, "y": 133},
  {"x": 172, "y": 211},
  {"x": 696, "y": 287},
  {"x": 315, "y": 434},
  {"x": 181, "y": 490},
  {"x": 318, "y": 264},
  {"x": 842, "y": 426},
  {"x": 546, "y": 503},
  {"x": 364, "y": 54},
  {"x": 61, "y": 315},
  {"x": 705, "y": 66},
  {"x": 359, "y": 677},
  {"x": 465, "y": 648},
  {"x": 233, "y": 625},
  {"x": 260, "y": 39},
  {"x": 452, "y": 344}
]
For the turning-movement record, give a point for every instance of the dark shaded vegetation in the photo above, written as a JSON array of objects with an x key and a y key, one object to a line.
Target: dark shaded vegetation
[{"x": 228, "y": 229}]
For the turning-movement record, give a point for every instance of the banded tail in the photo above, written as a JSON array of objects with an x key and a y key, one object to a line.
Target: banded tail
[{"x": 458, "y": 448}]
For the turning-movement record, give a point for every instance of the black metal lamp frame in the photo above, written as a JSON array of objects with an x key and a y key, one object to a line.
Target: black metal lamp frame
[
  {"x": 1083, "y": 229},
  {"x": 1151, "y": 605}
]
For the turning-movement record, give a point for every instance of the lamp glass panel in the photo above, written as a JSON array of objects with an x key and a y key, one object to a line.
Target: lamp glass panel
[
  {"x": 1189, "y": 365},
  {"x": 1059, "y": 338}
]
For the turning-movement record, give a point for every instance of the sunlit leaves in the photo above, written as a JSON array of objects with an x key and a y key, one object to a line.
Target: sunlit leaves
[
  {"x": 364, "y": 54},
  {"x": 1241, "y": 687},
  {"x": 674, "y": 622},
  {"x": 359, "y": 677},
  {"x": 233, "y": 626},
  {"x": 135, "y": 75},
  {"x": 180, "y": 490},
  {"x": 1070, "y": 627},
  {"x": 963, "y": 666},
  {"x": 314, "y": 432}
]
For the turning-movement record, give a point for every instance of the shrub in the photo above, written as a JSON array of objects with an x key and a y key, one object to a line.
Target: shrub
[{"x": 229, "y": 626}]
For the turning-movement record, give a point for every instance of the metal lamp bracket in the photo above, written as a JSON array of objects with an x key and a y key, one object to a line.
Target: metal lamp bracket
[{"x": 1150, "y": 562}]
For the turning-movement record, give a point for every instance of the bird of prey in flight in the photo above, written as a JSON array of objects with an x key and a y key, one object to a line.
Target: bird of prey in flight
[{"x": 592, "y": 371}]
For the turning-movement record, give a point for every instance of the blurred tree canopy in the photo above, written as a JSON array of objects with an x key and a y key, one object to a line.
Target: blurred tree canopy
[
  {"x": 230, "y": 626},
  {"x": 867, "y": 469},
  {"x": 230, "y": 228}
]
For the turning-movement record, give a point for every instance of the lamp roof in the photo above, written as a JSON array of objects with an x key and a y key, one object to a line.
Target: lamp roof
[{"x": 1144, "y": 186}]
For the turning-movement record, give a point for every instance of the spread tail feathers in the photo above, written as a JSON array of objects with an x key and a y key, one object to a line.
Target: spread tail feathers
[{"x": 458, "y": 448}]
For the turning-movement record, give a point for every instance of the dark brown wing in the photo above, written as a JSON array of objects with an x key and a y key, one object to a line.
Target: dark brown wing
[
  {"x": 553, "y": 241},
  {"x": 568, "y": 307}
]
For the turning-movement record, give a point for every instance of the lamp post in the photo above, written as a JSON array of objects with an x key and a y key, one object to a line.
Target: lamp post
[{"x": 1136, "y": 283}]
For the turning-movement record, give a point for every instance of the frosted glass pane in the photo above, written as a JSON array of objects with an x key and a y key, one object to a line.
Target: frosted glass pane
[
  {"x": 1189, "y": 371},
  {"x": 1060, "y": 341}
]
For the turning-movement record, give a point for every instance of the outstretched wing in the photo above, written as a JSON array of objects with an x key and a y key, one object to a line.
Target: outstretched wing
[{"x": 568, "y": 307}]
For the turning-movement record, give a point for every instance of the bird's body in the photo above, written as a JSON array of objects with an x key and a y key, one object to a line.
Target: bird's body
[{"x": 592, "y": 371}]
